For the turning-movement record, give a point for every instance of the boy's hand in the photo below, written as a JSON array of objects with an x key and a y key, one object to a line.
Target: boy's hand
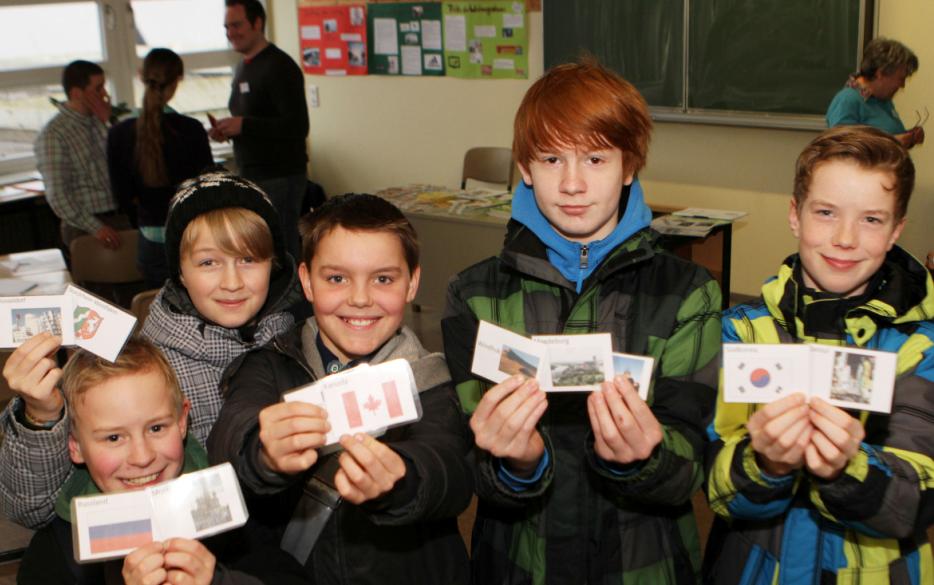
[
  {"x": 779, "y": 434},
  {"x": 625, "y": 429},
  {"x": 32, "y": 373},
  {"x": 188, "y": 561},
  {"x": 835, "y": 440},
  {"x": 145, "y": 565},
  {"x": 505, "y": 420},
  {"x": 368, "y": 470},
  {"x": 290, "y": 434}
]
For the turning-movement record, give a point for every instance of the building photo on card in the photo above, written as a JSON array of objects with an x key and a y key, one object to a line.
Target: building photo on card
[
  {"x": 577, "y": 363},
  {"x": 500, "y": 353},
  {"x": 24, "y": 317},
  {"x": 637, "y": 368}
]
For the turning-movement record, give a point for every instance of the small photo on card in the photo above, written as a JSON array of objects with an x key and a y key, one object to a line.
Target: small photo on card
[
  {"x": 24, "y": 317},
  {"x": 637, "y": 368},
  {"x": 762, "y": 373},
  {"x": 500, "y": 353},
  {"x": 98, "y": 326},
  {"x": 853, "y": 378},
  {"x": 200, "y": 504},
  {"x": 577, "y": 363}
]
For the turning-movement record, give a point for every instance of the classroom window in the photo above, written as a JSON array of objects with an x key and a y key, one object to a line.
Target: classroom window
[
  {"x": 45, "y": 35},
  {"x": 185, "y": 26}
]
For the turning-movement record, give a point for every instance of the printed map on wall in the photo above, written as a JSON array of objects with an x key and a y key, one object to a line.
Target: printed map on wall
[
  {"x": 333, "y": 39},
  {"x": 486, "y": 39},
  {"x": 405, "y": 39}
]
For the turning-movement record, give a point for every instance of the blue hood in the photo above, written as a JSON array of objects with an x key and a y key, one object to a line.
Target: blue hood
[{"x": 564, "y": 254}]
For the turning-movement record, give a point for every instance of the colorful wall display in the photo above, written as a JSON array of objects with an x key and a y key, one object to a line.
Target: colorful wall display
[
  {"x": 486, "y": 39},
  {"x": 405, "y": 39},
  {"x": 333, "y": 39}
]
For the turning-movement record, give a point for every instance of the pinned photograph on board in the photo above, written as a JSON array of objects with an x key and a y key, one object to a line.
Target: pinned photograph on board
[
  {"x": 515, "y": 361},
  {"x": 418, "y": 11},
  {"x": 311, "y": 56},
  {"x": 432, "y": 62},
  {"x": 475, "y": 49},
  {"x": 330, "y": 25},
  {"x": 356, "y": 54},
  {"x": 356, "y": 15},
  {"x": 392, "y": 64}
]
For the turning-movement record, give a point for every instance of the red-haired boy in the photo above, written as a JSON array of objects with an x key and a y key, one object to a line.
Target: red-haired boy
[{"x": 578, "y": 488}]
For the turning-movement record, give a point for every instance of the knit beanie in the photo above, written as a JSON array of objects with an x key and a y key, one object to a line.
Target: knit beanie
[{"x": 217, "y": 190}]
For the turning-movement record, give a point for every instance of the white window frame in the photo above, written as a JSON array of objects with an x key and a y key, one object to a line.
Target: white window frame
[{"x": 120, "y": 62}]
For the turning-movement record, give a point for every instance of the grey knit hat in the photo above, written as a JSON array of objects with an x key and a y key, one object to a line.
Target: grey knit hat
[{"x": 217, "y": 190}]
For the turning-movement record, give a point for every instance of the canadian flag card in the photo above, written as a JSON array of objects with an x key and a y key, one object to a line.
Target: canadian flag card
[{"x": 364, "y": 399}]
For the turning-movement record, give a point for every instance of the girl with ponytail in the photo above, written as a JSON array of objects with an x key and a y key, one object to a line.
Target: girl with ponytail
[{"x": 150, "y": 155}]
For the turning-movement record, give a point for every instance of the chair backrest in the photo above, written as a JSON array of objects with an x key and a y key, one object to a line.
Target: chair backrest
[
  {"x": 490, "y": 164},
  {"x": 140, "y": 305},
  {"x": 92, "y": 262}
]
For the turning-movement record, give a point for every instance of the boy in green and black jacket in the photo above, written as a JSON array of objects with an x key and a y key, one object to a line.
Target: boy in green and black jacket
[{"x": 578, "y": 488}]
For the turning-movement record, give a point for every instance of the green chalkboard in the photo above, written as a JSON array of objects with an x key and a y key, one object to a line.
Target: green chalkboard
[{"x": 759, "y": 56}]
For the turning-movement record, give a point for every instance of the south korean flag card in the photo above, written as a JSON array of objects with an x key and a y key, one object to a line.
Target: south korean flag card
[
  {"x": 858, "y": 379},
  {"x": 98, "y": 326},
  {"x": 500, "y": 353},
  {"x": 24, "y": 317},
  {"x": 638, "y": 368},
  {"x": 577, "y": 363},
  {"x": 364, "y": 399},
  {"x": 762, "y": 373}
]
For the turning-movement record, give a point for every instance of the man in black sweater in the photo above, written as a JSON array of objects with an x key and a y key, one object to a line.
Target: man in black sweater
[{"x": 269, "y": 121}]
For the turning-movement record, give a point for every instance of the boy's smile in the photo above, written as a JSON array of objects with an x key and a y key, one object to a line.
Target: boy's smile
[
  {"x": 845, "y": 226},
  {"x": 128, "y": 433},
  {"x": 359, "y": 283},
  {"x": 578, "y": 191}
]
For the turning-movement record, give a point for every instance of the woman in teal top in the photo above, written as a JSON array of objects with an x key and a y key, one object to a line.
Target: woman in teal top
[{"x": 867, "y": 96}]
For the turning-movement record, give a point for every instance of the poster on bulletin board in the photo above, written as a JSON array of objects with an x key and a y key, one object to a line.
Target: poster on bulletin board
[
  {"x": 333, "y": 39},
  {"x": 405, "y": 39},
  {"x": 486, "y": 39}
]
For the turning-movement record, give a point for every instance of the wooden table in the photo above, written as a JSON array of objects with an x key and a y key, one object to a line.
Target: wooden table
[{"x": 457, "y": 228}]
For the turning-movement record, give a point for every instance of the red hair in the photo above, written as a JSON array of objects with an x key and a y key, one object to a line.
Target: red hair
[{"x": 582, "y": 105}]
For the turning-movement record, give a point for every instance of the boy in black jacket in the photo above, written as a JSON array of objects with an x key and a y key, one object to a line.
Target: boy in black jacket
[
  {"x": 129, "y": 423},
  {"x": 382, "y": 510}
]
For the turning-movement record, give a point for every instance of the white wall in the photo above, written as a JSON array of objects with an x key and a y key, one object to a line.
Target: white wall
[{"x": 375, "y": 131}]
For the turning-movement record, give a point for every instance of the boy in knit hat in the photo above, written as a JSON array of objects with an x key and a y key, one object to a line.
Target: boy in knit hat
[{"x": 231, "y": 283}]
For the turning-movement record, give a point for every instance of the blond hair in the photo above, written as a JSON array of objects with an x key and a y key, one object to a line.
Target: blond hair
[
  {"x": 85, "y": 371},
  {"x": 237, "y": 231}
]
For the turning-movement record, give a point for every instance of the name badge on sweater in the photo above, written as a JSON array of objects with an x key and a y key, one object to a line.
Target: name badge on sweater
[{"x": 244, "y": 87}]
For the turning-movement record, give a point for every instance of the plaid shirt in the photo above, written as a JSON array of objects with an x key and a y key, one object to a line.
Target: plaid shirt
[{"x": 71, "y": 155}]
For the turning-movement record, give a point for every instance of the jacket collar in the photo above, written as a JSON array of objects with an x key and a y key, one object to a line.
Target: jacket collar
[
  {"x": 900, "y": 293},
  {"x": 576, "y": 262}
]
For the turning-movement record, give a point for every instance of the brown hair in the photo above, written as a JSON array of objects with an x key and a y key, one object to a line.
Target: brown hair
[
  {"x": 85, "y": 370},
  {"x": 237, "y": 231},
  {"x": 868, "y": 147},
  {"x": 583, "y": 103},
  {"x": 78, "y": 74},
  {"x": 358, "y": 212},
  {"x": 887, "y": 55},
  {"x": 162, "y": 68}
]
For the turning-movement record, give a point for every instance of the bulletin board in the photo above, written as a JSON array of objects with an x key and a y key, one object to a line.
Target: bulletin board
[
  {"x": 486, "y": 40},
  {"x": 405, "y": 39},
  {"x": 332, "y": 39}
]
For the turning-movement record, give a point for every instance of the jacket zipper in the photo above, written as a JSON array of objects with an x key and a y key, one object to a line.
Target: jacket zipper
[{"x": 583, "y": 258}]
